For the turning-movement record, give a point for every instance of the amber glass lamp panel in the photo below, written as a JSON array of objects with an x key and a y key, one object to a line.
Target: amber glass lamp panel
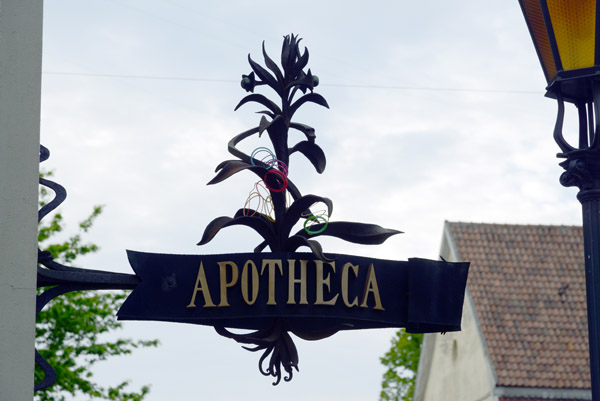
[
  {"x": 574, "y": 24},
  {"x": 535, "y": 20}
]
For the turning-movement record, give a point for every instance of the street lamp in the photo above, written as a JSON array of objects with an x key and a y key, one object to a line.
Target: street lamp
[{"x": 564, "y": 34}]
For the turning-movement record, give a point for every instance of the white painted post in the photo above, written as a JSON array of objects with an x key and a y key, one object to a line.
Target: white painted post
[{"x": 20, "y": 86}]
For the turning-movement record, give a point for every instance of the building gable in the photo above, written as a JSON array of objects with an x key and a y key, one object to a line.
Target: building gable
[{"x": 526, "y": 299}]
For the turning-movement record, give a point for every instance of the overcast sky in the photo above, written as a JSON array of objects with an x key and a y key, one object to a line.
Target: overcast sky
[{"x": 436, "y": 113}]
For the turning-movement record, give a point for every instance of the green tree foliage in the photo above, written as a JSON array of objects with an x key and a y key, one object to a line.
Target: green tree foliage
[
  {"x": 69, "y": 330},
  {"x": 401, "y": 361}
]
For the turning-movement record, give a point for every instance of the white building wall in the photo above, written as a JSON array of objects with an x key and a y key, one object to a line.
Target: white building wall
[
  {"x": 455, "y": 366},
  {"x": 459, "y": 369},
  {"x": 20, "y": 78}
]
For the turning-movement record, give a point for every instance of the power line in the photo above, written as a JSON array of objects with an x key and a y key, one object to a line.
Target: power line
[
  {"x": 358, "y": 86},
  {"x": 424, "y": 88},
  {"x": 153, "y": 77}
]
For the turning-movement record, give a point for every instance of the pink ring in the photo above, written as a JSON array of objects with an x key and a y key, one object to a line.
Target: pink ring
[{"x": 279, "y": 176}]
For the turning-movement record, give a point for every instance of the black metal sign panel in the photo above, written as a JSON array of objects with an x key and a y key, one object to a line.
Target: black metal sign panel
[{"x": 249, "y": 290}]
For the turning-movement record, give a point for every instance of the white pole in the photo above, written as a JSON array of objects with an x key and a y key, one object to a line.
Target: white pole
[{"x": 20, "y": 86}]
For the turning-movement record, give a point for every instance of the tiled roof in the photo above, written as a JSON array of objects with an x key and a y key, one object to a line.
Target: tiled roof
[{"x": 528, "y": 287}]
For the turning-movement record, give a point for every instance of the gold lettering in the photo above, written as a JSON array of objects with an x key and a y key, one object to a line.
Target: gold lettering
[
  {"x": 245, "y": 284},
  {"x": 202, "y": 286},
  {"x": 324, "y": 282},
  {"x": 344, "y": 285},
  {"x": 223, "y": 280},
  {"x": 272, "y": 263},
  {"x": 371, "y": 287},
  {"x": 293, "y": 281}
]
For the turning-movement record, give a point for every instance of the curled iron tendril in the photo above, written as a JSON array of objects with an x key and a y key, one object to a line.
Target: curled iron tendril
[
  {"x": 275, "y": 340},
  {"x": 45, "y": 258}
]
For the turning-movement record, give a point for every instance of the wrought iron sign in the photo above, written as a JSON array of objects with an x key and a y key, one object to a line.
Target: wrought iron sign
[{"x": 311, "y": 295}]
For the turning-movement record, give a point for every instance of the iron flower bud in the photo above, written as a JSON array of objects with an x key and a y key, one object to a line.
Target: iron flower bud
[{"x": 248, "y": 82}]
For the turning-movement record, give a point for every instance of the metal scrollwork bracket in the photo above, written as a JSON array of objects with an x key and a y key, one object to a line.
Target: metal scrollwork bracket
[
  {"x": 582, "y": 164},
  {"x": 581, "y": 170},
  {"x": 57, "y": 279}
]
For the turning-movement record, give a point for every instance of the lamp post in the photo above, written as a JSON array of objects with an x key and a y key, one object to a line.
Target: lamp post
[{"x": 564, "y": 34}]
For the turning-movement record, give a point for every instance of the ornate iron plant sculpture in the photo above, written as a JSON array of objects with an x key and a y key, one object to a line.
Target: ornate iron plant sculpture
[{"x": 276, "y": 229}]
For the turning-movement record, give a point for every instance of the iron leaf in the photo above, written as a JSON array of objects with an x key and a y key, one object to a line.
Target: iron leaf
[
  {"x": 358, "y": 233},
  {"x": 259, "y": 248},
  {"x": 302, "y": 60},
  {"x": 305, "y": 129},
  {"x": 260, "y": 226},
  {"x": 230, "y": 167},
  {"x": 267, "y": 113},
  {"x": 271, "y": 64},
  {"x": 311, "y": 97},
  {"x": 262, "y": 126},
  {"x": 295, "y": 211},
  {"x": 297, "y": 241},
  {"x": 313, "y": 153},
  {"x": 264, "y": 75},
  {"x": 262, "y": 99}
]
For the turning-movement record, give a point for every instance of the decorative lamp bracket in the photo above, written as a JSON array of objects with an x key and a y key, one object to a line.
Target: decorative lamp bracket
[{"x": 582, "y": 164}]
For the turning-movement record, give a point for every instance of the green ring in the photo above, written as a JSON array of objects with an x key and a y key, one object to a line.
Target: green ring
[{"x": 313, "y": 217}]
